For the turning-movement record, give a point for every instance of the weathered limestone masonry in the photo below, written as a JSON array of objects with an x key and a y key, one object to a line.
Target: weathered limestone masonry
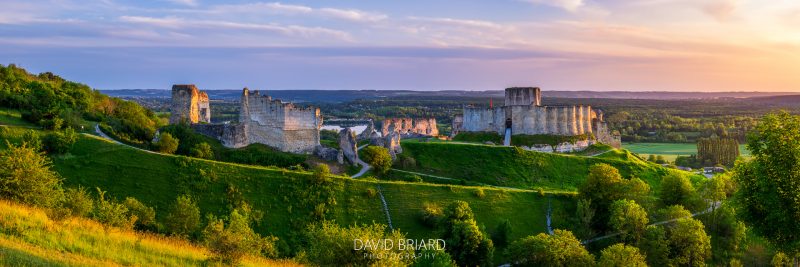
[
  {"x": 261, "y": 120},
  {"x": 524, "y": 114},
  {"x": 408, "y": 126},
  {"x": 189, "y": 104},
  {"x": 278, "y": 124}
]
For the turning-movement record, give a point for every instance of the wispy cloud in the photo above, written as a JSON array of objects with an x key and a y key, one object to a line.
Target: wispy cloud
[
  {"x": 569, "y": 5},
  {"x": 185, "y": 2},
  {"x": 722, "y": 10},
  {"x": 287, "y": 30}
]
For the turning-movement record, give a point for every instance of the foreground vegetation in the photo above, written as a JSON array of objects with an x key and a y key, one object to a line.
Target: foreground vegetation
[{"x": 28, "y": 237}]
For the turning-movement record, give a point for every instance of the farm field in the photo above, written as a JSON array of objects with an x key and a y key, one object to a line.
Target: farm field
[{"x": 670, "y": 151}]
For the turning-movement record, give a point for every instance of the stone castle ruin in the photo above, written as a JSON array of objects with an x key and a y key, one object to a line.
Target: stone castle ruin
[
  {"x": 262, "y": 120},
  {"x": 524, "y": 114},
  {"x": 408, "y": 127},
  {"x": 189, "y": 105}
]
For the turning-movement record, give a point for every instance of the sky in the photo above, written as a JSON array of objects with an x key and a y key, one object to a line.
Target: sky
[{"x": 600, "y": 45}]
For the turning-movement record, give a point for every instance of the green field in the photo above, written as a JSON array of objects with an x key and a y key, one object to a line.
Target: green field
[{"x": 670, "y": 150}]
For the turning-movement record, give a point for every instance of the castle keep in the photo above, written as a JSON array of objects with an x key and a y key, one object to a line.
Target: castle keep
[
  {"x": 523, "y": 113},
  {"x": 262, "y": 120},
  {"x": 189, "y": 105}
]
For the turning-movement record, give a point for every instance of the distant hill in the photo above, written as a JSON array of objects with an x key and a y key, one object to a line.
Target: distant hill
[{"x": 349, "y": 95}]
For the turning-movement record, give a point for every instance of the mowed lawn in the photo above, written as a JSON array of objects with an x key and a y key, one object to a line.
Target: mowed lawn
[{"x": 670, "y": 150}]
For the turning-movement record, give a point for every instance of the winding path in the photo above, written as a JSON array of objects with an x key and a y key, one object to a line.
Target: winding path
[
  {"x": 364, "y": 166},
  {"x": 105, "y": 136}
]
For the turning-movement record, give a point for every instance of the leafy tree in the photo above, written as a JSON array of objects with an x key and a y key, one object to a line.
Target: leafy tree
[
  {"x": 332, "y": 245},
  {"x": 501, "y": 234},
  {"x": 673, "y": 212},
  {"x": 727, "y": 235},
  {"x": 637, "y": 190},
  {"x": 655, "y": 245},
  {"x": 166, "y": 144},
  {"x": 431, "y": 214},
  {"x": 769, "y": 184},
  {"x": 145, "y": 216},
  {"x": 717, "y": 151},
  {"x": 585, "y": 214},
  {"x": 184, "y": 218},
  {"x": 434, "y": 258},
  {"x": 112, "y": 213},
  {"x": 676, "y": 189},
  {"x": 660, "y": 159},
  {"x": 559, "y": 249},
  {"x": 603, "y": 186},
  {"x": 232, "y": 242},
  {"x": 32, "y": 139},
  {"x": 628, "y": 218},
  {"x": 781, "y": 260},
  {"x": 77, "y": 202},
  {"x": 378, "y": 158},
  {"x": 466, "y": 243},
  {"x": 25, "y": 176},
  {"x": 621, "y": 255},
  {"x": 202, "y": 150},
  {"x": 688, "y": 242},
  {"x": 60, "y": 142}
]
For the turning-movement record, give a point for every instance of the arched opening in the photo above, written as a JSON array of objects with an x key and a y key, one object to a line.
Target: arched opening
[{"x": 508, "y": 123}]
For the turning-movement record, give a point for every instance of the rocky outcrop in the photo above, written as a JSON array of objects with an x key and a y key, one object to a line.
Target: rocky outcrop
[
  {"x": 327, "y": 153},
  {"x": 410, "y": 127},
  {"x": 391, "y": 142},
  {"x": 349, "y": 145},
  {"x": 367, "y": 133}
]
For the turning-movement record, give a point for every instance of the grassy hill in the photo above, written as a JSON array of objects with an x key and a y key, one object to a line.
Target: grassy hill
[
  {"x": 29, "y": 238},
  {"x": 515, "y": 167},
  {"x": 286, "y": 198}
]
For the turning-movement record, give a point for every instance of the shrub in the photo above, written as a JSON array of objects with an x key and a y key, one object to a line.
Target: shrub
[
  {"x": 332, "y": 245},
  {"x": 502, "y": 233},
  {"x": 145, "y": 216},
  {"x": 166, "y": 144},
  {"x": 371, "y": 193},
  {"x": 25, "y": 176},
  {"x": 431, "y": 214},
  {"x": 415, "y": 178},
  {"x": 321, "y": 174},
  {"x": 32, "y": 139},
  {"x": 479, "y": 193},
  {"x": 184, "y": 218},
  {"x": 60, "y": 142},
  {"x": 378, "y": 157},
  {"x": 77, "y": 202},
  {"x": 202, "y": 150},
  {"x": 111, "y": 213},
  {"x": 232, "y": 242},
  {"x": 406, "y": 161}
]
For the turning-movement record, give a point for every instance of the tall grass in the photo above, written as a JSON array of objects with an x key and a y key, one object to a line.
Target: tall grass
[{"x": 29, "y": 238}]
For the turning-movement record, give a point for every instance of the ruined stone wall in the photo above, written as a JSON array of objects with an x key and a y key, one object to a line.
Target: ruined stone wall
[
  {"x": 203, "y": 107},
  {"x": 184, "y": 106},
  {"x": 231, "y": 135},
  {"x": 280, "y": 125},
  {"x": 408, "y": 126},
  {"x": 606, "y": 136}
]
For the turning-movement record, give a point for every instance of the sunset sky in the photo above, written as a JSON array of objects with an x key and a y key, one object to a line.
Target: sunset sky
[{"x": 648, "y": 45}]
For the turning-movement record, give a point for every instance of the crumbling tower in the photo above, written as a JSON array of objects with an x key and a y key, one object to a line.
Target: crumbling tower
[{"x": 189, "y": 105}]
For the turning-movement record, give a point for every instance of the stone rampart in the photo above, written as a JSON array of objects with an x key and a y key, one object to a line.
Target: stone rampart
[{"x": 408, "y": 126}]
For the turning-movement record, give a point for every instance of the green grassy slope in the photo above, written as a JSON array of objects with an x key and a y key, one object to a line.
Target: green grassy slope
[
  {"x": 157, "y": 180},
  {"x": 515, "y": 167},
  {"x": 29, "y": 238},
  {"x": 671, "y": 150}
]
